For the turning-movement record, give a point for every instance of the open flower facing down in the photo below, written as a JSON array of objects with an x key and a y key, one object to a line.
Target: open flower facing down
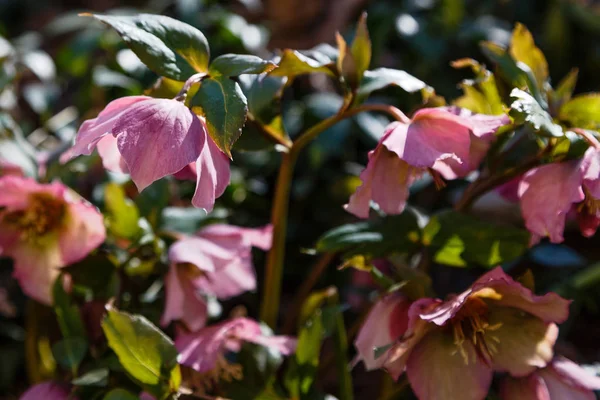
[
  {"x": 549, "y": 193},
  {"x": 450, "y": 349},
  {"x": 44, "y": 227},
  {"x": 151, "y": 138},
  {"x": 204, "y": 351},
  {"x": 216, "y": 261},
  {"x": 449, "y": 140},
  {"x": 47, "y": 391},
  {"x": 562, "y": 379}
]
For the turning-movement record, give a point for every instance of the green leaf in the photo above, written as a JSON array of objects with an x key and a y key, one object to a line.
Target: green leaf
[
  {"x": 459, "y": 240},
  {"x": 123, "y": 215},
  {"x": 145, "y": 352},
  {"x": 120, "y": 394},
  {"x": 182, "y": 219},
  {"x": 167, "y": 46},
  {"x": 225, "y": 107},
  {"x": 525, "y": 109},
  {"x": 70, "y": 352},
  {"x": 95, "y": 272},
  {"x": 382, "y": 77},
  {"x": 294, "y": 63},
  {"x": 582, "y": 111},
  {"x": 67, "y": 314},
  {"x": 361, "y": 48},
  {"x": 14, "y": 148},
  {"x": 238, "y": 64},
  {"x": 564, "y": 90},
  {"x": 97, "y": 377},
  {"x": 480, "y": 95},
  {"x": 300, "y": 376},
  {"x": 375, "y": 238},
  {"x": 523, "y": 49}
]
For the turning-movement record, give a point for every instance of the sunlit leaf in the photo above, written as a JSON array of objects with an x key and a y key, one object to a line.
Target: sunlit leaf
[
  {"x": 523, "y": 49},
  {"x": 238, "y": 64},
  {"x": 97, "y": 377},
  {"x": 294, "y": 63},
  {"x": 525, "y": 109},
  {"x": 582, "y": 111},
  {"x": 123, "y": 215},
  {"x": 120, "y": 394},
  {"x": 382, "y": 77}
]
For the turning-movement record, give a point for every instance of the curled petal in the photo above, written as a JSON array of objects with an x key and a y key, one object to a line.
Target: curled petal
[
  {"x": 192, "y": 250},
  {"x": 158, "y": 137},
  {"x": 573, "y": 375},
  {"x": 110, "y": 155},
  {"x": 590, "y": 166},
  {"x": 243, "y": 237},
  {"x": 183, "y": 302},
  {"x": 250, "y": 331},
  {"x": 212, "y": 175}
]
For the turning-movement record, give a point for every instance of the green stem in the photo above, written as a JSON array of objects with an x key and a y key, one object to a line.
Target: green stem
[
  {"x": 274, "y": 267},
  {"x": 340, "y": 339}
]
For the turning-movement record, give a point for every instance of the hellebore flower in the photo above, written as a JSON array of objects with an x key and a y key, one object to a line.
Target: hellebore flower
[
  {"x": 561, "y": 379},
  {"x": 47, "y": 391},
  {"x": 216, "y": 261},
  {"x": 448, "y": 140},
  {"x": 450, "y": 349},
  {"x": 204, "y": 351},
  {"x": 44, "y": 227},
  {"x": 548, "y": 193},
  {"x": 151, "y": 138}
]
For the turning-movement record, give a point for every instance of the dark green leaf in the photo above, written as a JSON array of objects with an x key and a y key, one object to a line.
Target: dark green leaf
[
  {"x": 238, "y": 64},
  {"x": 145, "y": 352},
  {"x": 69, "y": 352},
  {"x": 182, "y": 219},
  {"x": 122, "y": 214},
  {"x": 564, "y": 89},
  {"x": 95, "y": 272},
  {"x": 376, "y": 237},
  {"x": 294, "y": 63},
  {"x": 97, "y": 377},
  {"x": 120, "y": 394},
  {"x": 582, "y": 111},
  {"x": 525, "y": 109},
  {"x": 224, "y": 105},
  {"x": 67, "y": 314},
  {"x": 167, "y": 46},
  {"x": 459, "y": 240},
  {"x": 382, "y": 77}
]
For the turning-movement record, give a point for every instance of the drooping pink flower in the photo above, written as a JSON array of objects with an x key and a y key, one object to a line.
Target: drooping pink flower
[
  {"x": 216, "y": 261},
  {"x": 204, "y": 351},
  {"x": 548, "y": 193},
  {"x": 450, "y": 348},
  {"x": 560, "y": 379},
  {"x": 151, "y": 138},
  {"x": 449, "y": 140},
  {"x": 44, "y": 227},
  {"x": 48, "y": 391}
]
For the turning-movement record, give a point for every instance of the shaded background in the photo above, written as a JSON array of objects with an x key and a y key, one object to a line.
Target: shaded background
[{"x": 70, "y": 67}]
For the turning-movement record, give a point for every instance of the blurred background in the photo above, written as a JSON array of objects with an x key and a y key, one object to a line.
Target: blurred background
[{"x": 58, "y": 69}]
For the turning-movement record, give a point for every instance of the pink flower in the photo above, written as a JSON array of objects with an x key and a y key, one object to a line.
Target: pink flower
[
  {"x": 548, "y": 193},
  {"x": 204, "y": 351},
  {"x": 44, "y": 227},
  {"x": 449, "y": 140},
  {"x": 562, "y": 379},
  {"x": 151, "y": 138},
  {"x": 216, "y": 261},
  {"x": 47, "y": 391},
  {"x": 450, "y": 349}
]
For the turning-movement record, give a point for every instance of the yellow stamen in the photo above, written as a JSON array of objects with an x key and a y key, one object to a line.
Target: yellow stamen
[
  {"x": 223, "y": 371},
  {"x": 44, "y": 215}
]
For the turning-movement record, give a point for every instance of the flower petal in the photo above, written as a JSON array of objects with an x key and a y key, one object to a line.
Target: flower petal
[
  {"x": 561, "y": 387},
  {"x": 436, "y": 370},
  {"x": 158, "y": 137},
  {"x": 92, "y": 130},
  {"x": 531, "y": 387},
  {"x": 573, "y": 375},
  {"x": 387, "y": 321},
  {"x": 47, "y": 391},
  {"x": 110, "y": 155},
  {"x": 257, "y": 237},
  {"x": 182, "y": 302},
  {"x": 591, "y": 171},
  {"x": 212, "y": 174},
  {"x": 14, "y": 191},
  {"x": 36, "y": 269},
  {"x": 522, "y": 341},
  {"x": 192, "y": 250},
  {"x": 249, "y": 330},
  {"x": 547, "y": 194}
]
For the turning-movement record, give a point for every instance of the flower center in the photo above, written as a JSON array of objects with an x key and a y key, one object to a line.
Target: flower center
[
  {"x": 589, "y": 205},
  {"x": 223, "y": 371},
  {"x": 470, "y": 324},
  {"x": 190, "y": 271},
  {"x": 44, "y": 215}
]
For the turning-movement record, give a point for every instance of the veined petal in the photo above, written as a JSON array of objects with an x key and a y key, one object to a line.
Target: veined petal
[
  {"x": 110, "y": 155},
  {"x": 560, "y": 388},
  {"x": 249, "y": 330},
  {"x": 387, "y": 321},
  {"x": 531, "y": 387},
  {"x": 183, "y": 302},
  {"x": 158, "y": 137},
  {"x": 212, "y": 174},
  {"x": 437, "y": 370},
  {"x": 192, "y": 250},
  {"x": 521, "y": 343},
  {"x": 547, "y": 193},
  {"x": 573, "y": 375},
  {"x": 257, "y": 237}
]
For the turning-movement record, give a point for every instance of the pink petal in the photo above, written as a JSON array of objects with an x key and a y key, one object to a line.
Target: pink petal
[
  {"x": 387, "y": 321},
  {"x": 47, "y": 391},
  {"x": 590, "y": 166},
  {"x": 436, "y": 370},
  {"x": 212, "y": 174},
  {"x": 36, "y": 269},
  {"x": 14, "y": 191},
  {"x": 92, "y": 130},
  {"x": 561, "y": 386},
  {"x": 499, "y": 288},
  {"x": 192, "y": 250},
  {"x": 482, "y": 125},
  {"x": 573, "y": 375},
  {"x": 257, "y": 237},
  {"x": 250, "y": 331},
  {"x": 183, "y": 302},
  {"x": 547, "y": 193},
  {"x": 111, "y": 157},
  {"x": 531, "y": 387},
  {"x": 386, "y": 181},
  {"x": 188, "y": 173},
  {"x": 8, "y": 168},
  {"x": 510, "y": 190},
  {"x": 158, "y": 137}
]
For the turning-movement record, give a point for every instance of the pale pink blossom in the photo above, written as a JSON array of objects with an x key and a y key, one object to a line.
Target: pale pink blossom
[
  {"x": 48, "y": 391},
  {"x": 448, "y": 140},
  {"x": 561, "y": 379},
  {"x": 450, "y": 349},
  {"x": 548, "y": 194},
  {"x": 151, "y": 138},
  {"x": 44, "y": 227},
  {"x": 216, "y": 261}
]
